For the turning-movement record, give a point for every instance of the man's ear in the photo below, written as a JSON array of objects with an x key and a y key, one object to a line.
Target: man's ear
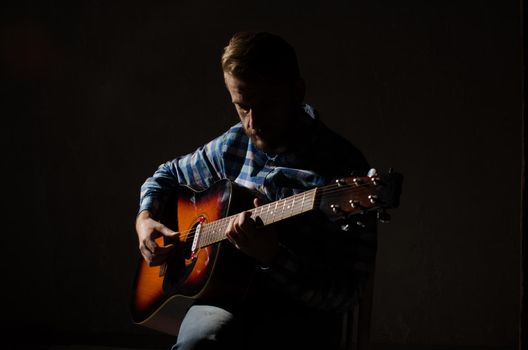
[{"x": 299, "y": 90}]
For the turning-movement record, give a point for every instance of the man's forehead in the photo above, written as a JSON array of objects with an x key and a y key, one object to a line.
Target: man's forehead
[
  {"x": 252, "y": 89},
  {"x": 240, "y": 86}
]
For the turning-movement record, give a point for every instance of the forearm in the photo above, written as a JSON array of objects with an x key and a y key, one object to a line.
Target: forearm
[{"x": 198, "y": 170}]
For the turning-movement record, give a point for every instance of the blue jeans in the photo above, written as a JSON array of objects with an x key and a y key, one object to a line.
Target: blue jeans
[{"x": 207, "y": 327}]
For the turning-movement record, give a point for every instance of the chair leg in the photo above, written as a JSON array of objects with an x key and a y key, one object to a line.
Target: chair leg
[
  {"x": 356, "y": 322},
  {"x": 365, "y": 312}
]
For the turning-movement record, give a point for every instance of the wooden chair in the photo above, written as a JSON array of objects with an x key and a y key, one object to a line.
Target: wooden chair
[{"x": 356, "y": 323}]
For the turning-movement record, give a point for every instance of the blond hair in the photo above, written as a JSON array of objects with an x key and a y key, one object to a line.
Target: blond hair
[{"x": 260, "y": 56}]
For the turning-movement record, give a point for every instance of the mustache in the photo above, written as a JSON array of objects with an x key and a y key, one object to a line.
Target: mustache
[{"x": 254, "y": 132}]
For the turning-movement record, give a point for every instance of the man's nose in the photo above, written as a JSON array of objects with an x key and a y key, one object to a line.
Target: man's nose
[{"x": 254, "y": 119}]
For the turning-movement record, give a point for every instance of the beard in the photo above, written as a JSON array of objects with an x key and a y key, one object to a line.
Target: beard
[
  {"x": 273, "y": 142},
  {"x": 277, "y": 133}
]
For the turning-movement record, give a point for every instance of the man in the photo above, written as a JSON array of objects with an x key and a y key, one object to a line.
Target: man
[{"x": 308, "y": 271}]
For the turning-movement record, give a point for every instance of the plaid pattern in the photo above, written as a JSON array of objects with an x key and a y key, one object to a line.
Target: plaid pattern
[{"x": 334, "y": 284}]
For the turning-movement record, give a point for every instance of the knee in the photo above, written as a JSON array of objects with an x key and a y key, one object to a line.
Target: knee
[
  {"x": 196, "y": 342},
  {"x": 205, "y": 328}
]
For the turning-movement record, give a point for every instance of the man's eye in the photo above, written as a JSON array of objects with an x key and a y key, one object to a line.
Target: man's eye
[{"x": 244, "y": 109}]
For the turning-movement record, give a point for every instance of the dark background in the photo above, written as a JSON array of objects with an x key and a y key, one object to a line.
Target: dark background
[{"x": 96, "y": 94}]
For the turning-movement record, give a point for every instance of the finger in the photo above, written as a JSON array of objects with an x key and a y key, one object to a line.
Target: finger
[
  {"x": 158, "y": 260},
  {"x": 229, "y": 227},
  {"x": 147, "y": 255},
  {"x": 243, "y": 222},
  {"x": 232, "y": 240},
  {"x": 229, "y": 233},
  {"x": 158, "y": 255},
  {"x": 164, "y": 230},
  {"x": 236, "y": 223},
  {"x": 155, "y": 248},
  {"x": 233, "y": 233},
  {"x": 257, "y": 202},
  {"x": 159, "y": 230},
  {"x": 259, "y": 222},
  {"x": 163, "y": 250},
  {"x": 150, "y": 245}
]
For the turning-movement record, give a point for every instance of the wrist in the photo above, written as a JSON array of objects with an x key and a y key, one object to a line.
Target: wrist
[{"x": 144, "y": 214}]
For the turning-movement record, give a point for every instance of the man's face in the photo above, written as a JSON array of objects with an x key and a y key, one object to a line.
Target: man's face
[{"x": 267, "y": 111}]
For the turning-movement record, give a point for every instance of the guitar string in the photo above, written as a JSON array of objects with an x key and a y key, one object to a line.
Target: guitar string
[
  {"x": 329, "y": 191},
  {"x": 223, "y": 222}
]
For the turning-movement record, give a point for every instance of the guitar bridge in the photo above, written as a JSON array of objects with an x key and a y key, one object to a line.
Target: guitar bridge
[{"x": 196, "y": 240}]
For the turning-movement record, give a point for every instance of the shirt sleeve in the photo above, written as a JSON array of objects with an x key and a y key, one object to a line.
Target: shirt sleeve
[
  {"x": 198, "y": 170},
  {"x": 336, "y": 277}
]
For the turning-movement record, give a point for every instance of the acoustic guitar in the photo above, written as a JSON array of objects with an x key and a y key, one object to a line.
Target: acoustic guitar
[{"x": 207, "y": 268}]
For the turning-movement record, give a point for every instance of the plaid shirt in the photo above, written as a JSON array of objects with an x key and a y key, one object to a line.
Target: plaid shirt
[{"x": 327, "y": 272}]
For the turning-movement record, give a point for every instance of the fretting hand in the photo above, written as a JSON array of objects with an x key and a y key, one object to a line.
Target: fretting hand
[{"x": 246, "y": 235}]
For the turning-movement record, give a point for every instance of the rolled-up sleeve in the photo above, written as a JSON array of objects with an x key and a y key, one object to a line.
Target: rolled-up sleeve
[{"x": 197, "y": 170}]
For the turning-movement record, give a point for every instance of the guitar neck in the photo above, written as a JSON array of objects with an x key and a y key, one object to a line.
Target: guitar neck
[{"x": 270, "y": 213}]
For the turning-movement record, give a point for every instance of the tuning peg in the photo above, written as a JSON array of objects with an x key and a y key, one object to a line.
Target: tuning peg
[
  {"x": 336, "y": 208},
  {"x": 361, "y": 224},
  {"x": 340, "y": 182},
  {"x": 354, "y": 203},
  {"x": 383, "y": 217}
]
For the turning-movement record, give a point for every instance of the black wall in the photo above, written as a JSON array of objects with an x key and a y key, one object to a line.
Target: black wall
[{"x": 96, "y": 94}]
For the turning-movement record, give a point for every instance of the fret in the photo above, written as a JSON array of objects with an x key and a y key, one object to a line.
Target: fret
[
  {"x": 303, "y": 199},
  {"x": 213, "y": 232},
  {"x": 222, "y": 228},
  {"x": 281, "y": 216},
  {"x": 302, "y": 202},
  {"x": 257, "y": 212},
  {"x": 273, "y": 213},
  {"x": 276, "y": 211},
  {"x": 208, "y": 234},
  {"x": 298, "y": 205},
  {"x": 265, "y": 215},
  {"x": 204, "y": 235}
]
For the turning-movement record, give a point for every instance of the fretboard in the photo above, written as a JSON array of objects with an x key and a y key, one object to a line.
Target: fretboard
[{"x": 270, "y": 213}]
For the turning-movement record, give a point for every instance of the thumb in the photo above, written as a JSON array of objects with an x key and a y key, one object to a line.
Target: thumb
[
  {"x": 167, "y": 232},
  {"x": 257, "y": 202}
]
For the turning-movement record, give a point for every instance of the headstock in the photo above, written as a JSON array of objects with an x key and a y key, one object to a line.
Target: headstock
[{"x": 355, "y": 195}]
